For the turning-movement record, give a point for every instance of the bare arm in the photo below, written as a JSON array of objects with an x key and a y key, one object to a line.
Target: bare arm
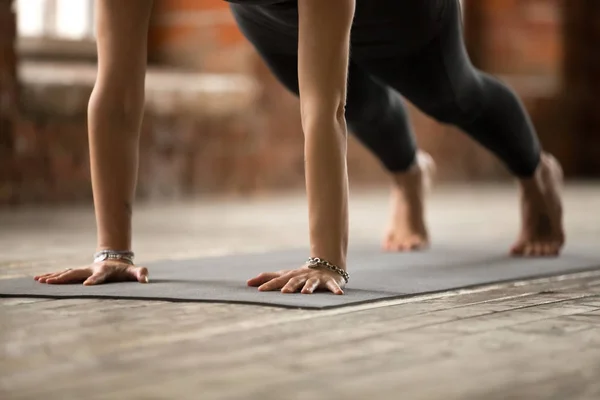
[
  {"x": 323, "y": 56},
  {"x": 114, "y": 117},
  {"x": 323, "y": 53},
  {"x": 115, "y": 114}
]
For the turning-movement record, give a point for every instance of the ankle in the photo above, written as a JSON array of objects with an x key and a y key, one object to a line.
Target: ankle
[
  {"x": 531, "y": 186},
  {"x": 409, "y": 176},
  {"x": 535, "y": 183}
]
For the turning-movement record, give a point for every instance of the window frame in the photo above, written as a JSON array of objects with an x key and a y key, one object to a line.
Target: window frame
[{"x": 50, "y": 45}]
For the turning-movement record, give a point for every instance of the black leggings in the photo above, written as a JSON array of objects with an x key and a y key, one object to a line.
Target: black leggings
[{"x": 412, "y": 48}]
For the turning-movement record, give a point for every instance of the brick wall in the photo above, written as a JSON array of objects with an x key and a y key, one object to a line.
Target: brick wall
[
  {"x": 515, "y": 36},
  {"x": 197, "y": 34},
  {"x": 556, "y": 41},
  {"x": 8, "y": 93}
]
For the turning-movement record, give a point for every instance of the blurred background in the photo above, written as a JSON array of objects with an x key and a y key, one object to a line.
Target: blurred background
[{"x": 218, "y": 123}]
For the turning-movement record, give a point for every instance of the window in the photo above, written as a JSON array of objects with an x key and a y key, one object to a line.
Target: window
[{"x": 55, "y": 28}]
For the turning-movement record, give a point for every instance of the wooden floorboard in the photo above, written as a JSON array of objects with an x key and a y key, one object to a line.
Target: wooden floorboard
[
  {"x": 537, "y": 339},
  {"x": 518, "y": 337}
]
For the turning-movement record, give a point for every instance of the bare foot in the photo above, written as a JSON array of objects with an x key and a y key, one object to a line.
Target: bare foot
[
  {"x": 542, "y": 232},
  {"x": 407, "y": 231}
]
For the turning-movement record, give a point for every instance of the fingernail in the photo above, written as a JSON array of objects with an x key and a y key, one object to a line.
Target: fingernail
[{"x": 145, "y": 279}]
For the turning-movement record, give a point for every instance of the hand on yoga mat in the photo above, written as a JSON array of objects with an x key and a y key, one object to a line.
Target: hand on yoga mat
[
  {"x": 97, "y": 273},
  {"x": 304, "y": 279}
]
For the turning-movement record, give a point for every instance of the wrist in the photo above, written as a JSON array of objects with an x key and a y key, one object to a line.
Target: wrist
[
  {"x": 113, "y": 242},
  {"x": 114, "y": 230},
  {"x": 126, "y": 256},
  {"x": 337, "y": 258},
  {"x": 329, "y": 237}
]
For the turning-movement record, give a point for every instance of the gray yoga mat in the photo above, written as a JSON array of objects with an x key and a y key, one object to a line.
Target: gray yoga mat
[{"x": 373, "y": 276}]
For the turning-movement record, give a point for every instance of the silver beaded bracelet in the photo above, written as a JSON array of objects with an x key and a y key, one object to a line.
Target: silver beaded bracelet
[
  {"x": 315, "y": 262},
  {"x": 123, "y": 256}
]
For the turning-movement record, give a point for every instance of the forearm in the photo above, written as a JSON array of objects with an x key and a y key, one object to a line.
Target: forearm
[
  {"x": 327, "y": 189},
  {"x": 322, "y": 73},
  {"x": 114, "y": 115}
]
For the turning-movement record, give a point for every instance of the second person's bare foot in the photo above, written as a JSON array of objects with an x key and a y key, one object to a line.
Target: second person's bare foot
[
  {"x": 542, "y": 232},
  {"x": 408, "y": 231}
]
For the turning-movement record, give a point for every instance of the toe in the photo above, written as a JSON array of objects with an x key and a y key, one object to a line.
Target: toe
[
  {"x": 386, "y": 245},
  {"x": 518, "y": 248},
  {"x": 555, "y": 248},
  {"x": 551, "y": 249},
  {"x": 413, "y": 246},
  {"x": 397, "y": 245},
  {"x": 528, "y": 250},
  {"x": 404, "y": 244},
  {"x": 420, "y": 244}
]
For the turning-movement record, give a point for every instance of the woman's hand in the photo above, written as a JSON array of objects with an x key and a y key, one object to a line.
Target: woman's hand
[
  {"x": 304, "y": 278},
  {"x": 97, "y": 273}
]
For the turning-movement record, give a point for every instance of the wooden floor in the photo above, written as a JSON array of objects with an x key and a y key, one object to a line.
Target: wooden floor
[{"x": 527, "y": 340}]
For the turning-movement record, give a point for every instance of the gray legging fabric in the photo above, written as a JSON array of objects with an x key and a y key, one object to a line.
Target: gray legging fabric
[{"x": 409, "y": 48}]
